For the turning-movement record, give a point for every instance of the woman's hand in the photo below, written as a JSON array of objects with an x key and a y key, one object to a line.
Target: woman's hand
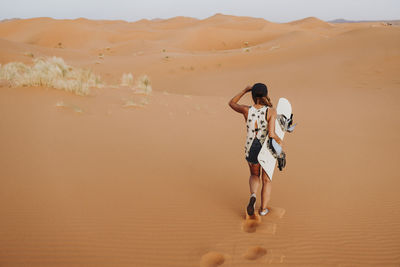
[
  {"x": 280, "y": 142},
  {"x": 247, "y": 89}
]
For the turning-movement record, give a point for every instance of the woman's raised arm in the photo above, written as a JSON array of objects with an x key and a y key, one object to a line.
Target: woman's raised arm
[{"x": 233, "y": 103}]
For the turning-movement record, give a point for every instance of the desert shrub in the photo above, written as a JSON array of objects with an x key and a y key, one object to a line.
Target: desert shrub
[
  {"x": 143, "y": 85},
  {"x": 127, "y": 79},
  {"x": 50, "y": 72}
]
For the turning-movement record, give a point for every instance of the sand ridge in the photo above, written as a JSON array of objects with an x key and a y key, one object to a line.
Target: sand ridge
[{"x": 98, "y": 181}]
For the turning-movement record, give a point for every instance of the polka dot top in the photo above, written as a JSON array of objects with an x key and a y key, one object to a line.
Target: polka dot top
[{"x": 256, "y": 117}]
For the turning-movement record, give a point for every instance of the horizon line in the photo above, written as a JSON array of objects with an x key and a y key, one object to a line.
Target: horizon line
[{"x": 158, "y": 18}]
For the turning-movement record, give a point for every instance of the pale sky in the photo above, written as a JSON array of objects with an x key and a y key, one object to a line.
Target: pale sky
[{"x": 132, "y": 10}]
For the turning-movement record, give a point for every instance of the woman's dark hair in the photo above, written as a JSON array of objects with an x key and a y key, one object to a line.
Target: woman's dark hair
[{"x": 259, "y": 91}]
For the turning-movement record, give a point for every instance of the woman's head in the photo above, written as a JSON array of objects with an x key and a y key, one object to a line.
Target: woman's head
[{"x": 259, "y": 93}]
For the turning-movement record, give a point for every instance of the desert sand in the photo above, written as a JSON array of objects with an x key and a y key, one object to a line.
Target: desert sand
[{"x": 92, "y": 181}]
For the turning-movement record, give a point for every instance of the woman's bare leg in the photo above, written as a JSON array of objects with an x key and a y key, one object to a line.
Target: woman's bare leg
[
  {"x": 254, "y": 180},
  {"x": 265, "y": 190}
]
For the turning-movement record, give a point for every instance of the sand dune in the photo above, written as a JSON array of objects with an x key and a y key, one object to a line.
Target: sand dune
[
  {"x": 176, "y": 23},
  {"x": 219, "y": 32},
  {"x": 311, "y": 22},
  {"x": 117, "y": 178}
]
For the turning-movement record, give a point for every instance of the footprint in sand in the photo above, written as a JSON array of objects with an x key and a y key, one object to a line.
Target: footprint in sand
[
  {"x": 276, "y": 213},
  {"x": 268, "y": 228},
  {"x": 212, "y": 259},
  {"x": 251, "y": 223},
  {"x": 251, "y": 226},
  {"x": 254, "y": 253}
]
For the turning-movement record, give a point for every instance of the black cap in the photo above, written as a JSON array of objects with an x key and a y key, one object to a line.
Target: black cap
[{"x": 259, "y": 90}]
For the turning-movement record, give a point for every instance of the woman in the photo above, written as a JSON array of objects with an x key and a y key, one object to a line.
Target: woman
[{"x": 260, "y": 120}]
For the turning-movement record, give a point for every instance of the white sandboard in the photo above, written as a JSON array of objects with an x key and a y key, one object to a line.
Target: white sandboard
[{"x": 265, "y": 157}]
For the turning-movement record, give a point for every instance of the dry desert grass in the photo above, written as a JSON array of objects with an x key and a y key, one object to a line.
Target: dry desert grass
[
  {"x": 127, "y": 79},
  {"x": 143, "y": 85},
  {"x": 50, "y": 72},
  {"x": 53, "y": 72}
]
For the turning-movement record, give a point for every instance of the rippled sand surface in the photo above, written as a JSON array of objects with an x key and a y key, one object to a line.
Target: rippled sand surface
[{"x": 97, "y": 181}]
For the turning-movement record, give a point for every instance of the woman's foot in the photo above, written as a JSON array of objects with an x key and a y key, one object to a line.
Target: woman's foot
[
  {"x": 264, "y": 212},
  {"x": 252, "y": 204}
]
